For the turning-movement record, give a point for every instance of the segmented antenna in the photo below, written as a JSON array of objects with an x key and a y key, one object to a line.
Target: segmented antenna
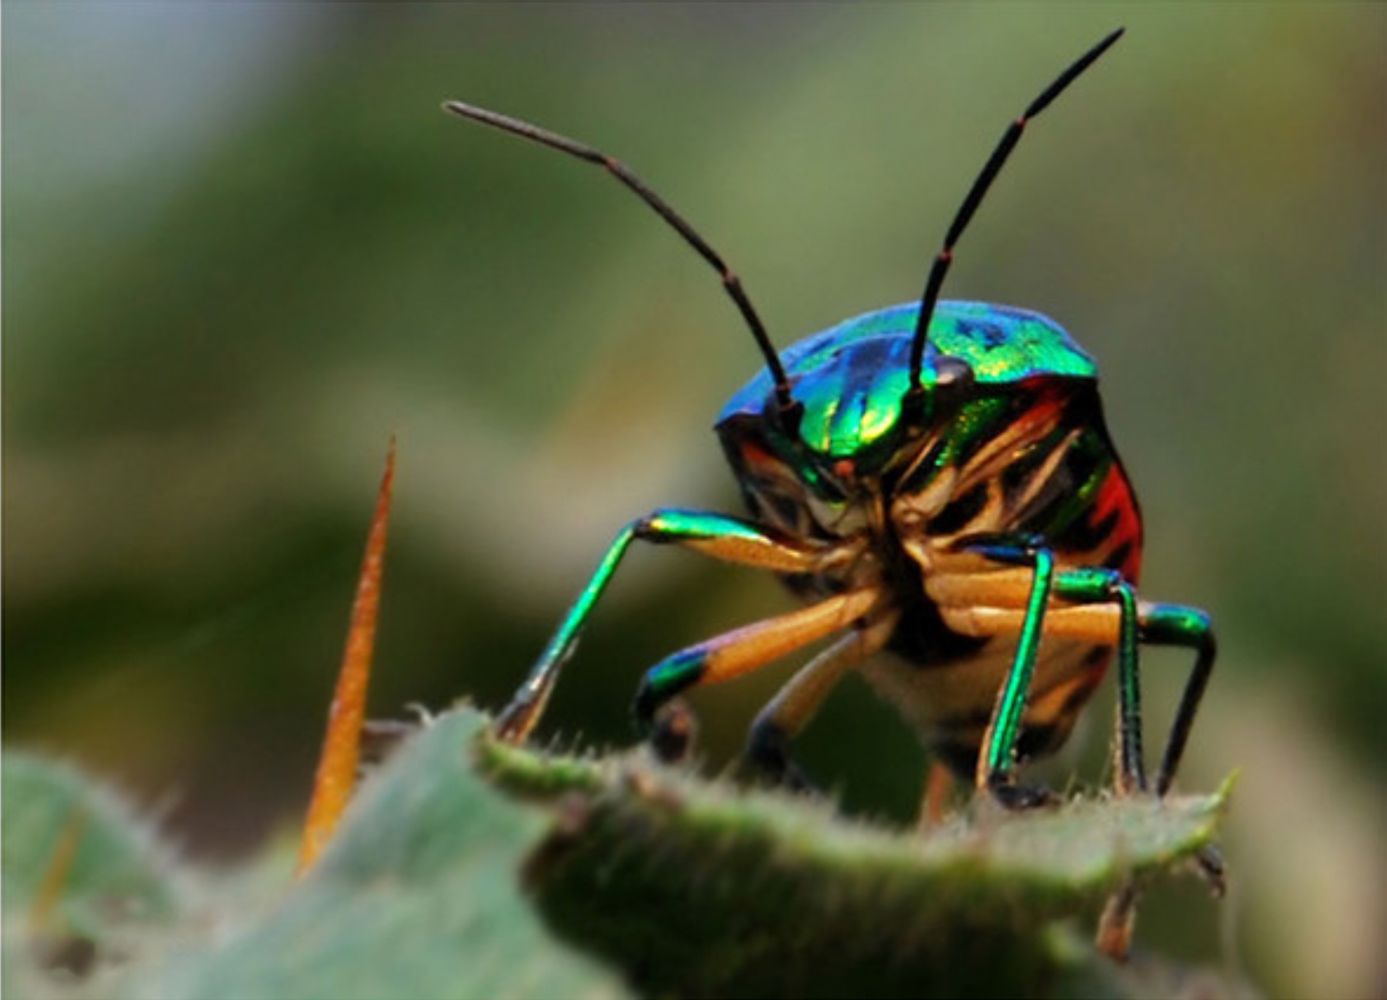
[
  {"x": 730, "y": 281},
  {"x": 970, "y": 205}
]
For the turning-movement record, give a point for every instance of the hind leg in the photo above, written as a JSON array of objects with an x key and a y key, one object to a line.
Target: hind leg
[{"x": 795, "y": 704}]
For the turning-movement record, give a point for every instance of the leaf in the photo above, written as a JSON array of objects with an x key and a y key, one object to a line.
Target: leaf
[
  {"x": 697, "y": 888},
  {"x": 83, "y": 879},
  {"x": 689, "y": 887},
  {"x": 417, "y": 896}
]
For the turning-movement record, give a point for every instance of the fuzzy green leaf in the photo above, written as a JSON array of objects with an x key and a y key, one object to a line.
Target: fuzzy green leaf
[
  {"x": 83, "y": 879},
  {"x": 687, "y": 886},
  {"x": 698, "y": 888},
  {"x": 418, "y": 896}
]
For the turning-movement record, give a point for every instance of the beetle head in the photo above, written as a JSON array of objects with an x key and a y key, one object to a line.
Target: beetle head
[{"x": 857, "y": 419}]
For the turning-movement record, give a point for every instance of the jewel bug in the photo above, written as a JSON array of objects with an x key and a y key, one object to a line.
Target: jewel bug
[{"x": 936, "y": 483}]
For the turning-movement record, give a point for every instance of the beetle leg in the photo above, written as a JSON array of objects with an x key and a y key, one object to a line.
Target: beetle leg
[
  {"x": 1093, "y": 592},
  {"x": 1174, "y": 625},
  {"x": 1083, "y": 586},
  {"x": 748, "y": 648},
  {"x": 718, "y": 535},
  {"x": 986, "y": 604},
  {"x": 1100, "y": 606},
  {"x": 996, "y": 760},
  {"x": 795, "y": 704},
  {"x": 1095, "y": 585}
]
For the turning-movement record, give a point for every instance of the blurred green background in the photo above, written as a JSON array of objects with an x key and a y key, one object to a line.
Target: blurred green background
[{"x": 243, "y": 246}]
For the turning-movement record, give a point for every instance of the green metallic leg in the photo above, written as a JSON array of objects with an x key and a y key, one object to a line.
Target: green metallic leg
[
  {"x": 1175, "y": 625},
  {"x": 1139, "y": 622},
  {"x": 718, "y": 535},
  {"x": 1097, "y": 585},
  {"x": 1083, "y": 586},
  {"x": 996, "y": 761},
  {"x": 1154, "y": 624}
]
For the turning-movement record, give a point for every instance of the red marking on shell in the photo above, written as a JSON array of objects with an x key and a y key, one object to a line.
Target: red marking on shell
[{"x": 1115, "y": 495}]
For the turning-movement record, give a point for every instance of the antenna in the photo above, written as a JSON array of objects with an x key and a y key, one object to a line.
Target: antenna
[
  {"x": 970, "y": 204},
  {"x": 730, "y": 281}
]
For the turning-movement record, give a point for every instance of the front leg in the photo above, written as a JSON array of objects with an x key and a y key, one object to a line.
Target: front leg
[{"x": 718, "y": 535}]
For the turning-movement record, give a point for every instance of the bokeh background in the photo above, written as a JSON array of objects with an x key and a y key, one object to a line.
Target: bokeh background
[{"x": 243, "y": 247}]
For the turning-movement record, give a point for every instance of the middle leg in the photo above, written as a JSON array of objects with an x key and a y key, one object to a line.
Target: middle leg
[{"x": 748, "y": 648}]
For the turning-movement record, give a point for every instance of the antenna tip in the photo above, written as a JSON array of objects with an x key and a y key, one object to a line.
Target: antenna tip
[{"x": 1108, "y": 41}]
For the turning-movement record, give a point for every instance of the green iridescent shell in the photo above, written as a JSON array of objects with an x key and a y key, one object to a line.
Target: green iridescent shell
[{"x": 851, "y": 378}]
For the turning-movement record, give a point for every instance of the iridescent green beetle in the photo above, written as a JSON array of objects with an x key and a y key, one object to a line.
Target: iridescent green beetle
[{"x": 936, "y": 483}]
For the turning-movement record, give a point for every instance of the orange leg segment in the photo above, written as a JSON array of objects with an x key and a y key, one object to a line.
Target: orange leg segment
[
  {"x": 796, "y": 703},
  {"x": 748, "y": 648}
]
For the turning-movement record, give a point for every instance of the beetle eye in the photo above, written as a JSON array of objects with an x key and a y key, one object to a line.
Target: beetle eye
[
  {"x": 953, "y": 380},
  {"x": 952, "y": 371}
]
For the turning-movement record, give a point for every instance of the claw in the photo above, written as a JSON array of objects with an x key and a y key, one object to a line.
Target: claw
[
  {"x": 515, "y": 721},
  {"x": 1018, "y": 797},
  {"x": 767, "y": 757},
  {"x": 1208, "y": 860},
  {"x": 674, "y": 732}
]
